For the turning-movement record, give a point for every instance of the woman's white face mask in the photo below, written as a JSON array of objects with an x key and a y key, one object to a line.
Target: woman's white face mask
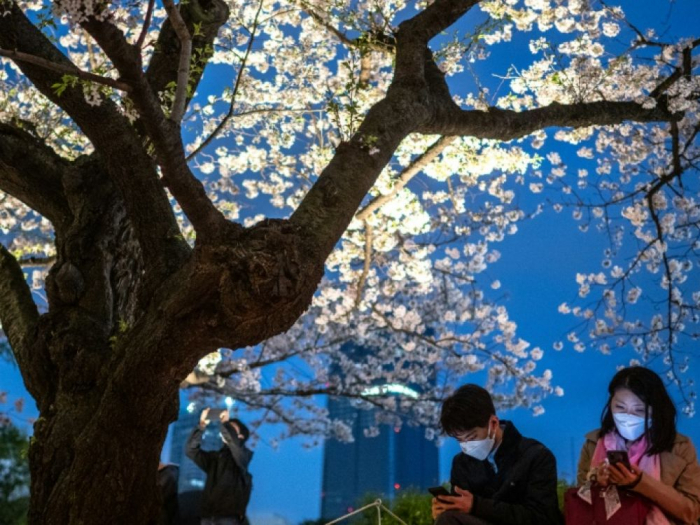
[
  {"x": 481, "y": 448},
  {"x": 629, "y": 426},
  {"x": 629, "y": 412}
]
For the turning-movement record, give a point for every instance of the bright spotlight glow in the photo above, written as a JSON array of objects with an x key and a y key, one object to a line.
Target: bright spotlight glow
[{"x": 391, "y": 388}]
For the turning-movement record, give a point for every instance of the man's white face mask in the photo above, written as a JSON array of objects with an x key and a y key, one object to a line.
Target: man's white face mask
[{"x": 481, "y": 448}]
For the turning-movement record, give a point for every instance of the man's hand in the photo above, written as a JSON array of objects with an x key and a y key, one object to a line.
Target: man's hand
[
  {"x": 224, "y": 417},
  {"x": 204, "y": 418},
  {"x": 463, "y": 502},
  {"x": 621, "y": 475}
]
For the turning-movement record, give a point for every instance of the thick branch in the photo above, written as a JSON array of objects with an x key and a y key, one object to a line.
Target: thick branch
[
  {"x": 435, "y": 18},
  {"x": 33, "y": 262},
  {"x": 414, "y": 34},
  {"x": 209, "y": 15},
  {"x": 18, "y": 313},
  {"x": 164, "y": 133},
  {"x": 500, "y": 124},
  {"x": 330, "y": 205},
  {"x": 32, "y": 172},
  {"x": 113, "y": 137},
  {"x": 332, "y": 202},
  {"x": 19, "y": 317}
]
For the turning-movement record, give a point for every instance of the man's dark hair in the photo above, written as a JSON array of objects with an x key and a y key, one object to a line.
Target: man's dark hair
[
  {"x": 647, "y": 386},
  {"x": 243, "y": 429},
  {"x": 469, "y": 407}
]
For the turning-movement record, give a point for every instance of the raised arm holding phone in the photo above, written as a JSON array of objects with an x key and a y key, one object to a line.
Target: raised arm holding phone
[{"x": 229, "y": 483}]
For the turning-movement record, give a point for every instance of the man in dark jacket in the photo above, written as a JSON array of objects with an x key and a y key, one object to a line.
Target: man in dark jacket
[
  {"x": 500, "y": 477},
  {"x": 229, "y": 484}
]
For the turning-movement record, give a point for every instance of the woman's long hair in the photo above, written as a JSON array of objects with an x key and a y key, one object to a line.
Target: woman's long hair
[{"x": 648, "y": 387}]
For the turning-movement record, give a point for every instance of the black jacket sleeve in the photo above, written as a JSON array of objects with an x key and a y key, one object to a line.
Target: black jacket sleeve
[
  {"x": 241, "y": 455},
  {"x": 193, "y": 450},
  {"x": 540, "y": 505}
]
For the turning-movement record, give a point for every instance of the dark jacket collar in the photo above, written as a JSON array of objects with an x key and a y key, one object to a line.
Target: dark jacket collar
[{"x": 509, "y": 444}]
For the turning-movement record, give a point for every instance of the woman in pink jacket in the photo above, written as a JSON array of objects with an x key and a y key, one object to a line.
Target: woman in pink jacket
[{"x": 640, "y": 418}]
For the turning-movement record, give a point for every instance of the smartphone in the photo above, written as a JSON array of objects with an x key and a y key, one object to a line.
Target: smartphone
[
  {"x": 619, "y": 456},
  {"x": 439, "y": 491},
  {"x": 215, "y": 414}
]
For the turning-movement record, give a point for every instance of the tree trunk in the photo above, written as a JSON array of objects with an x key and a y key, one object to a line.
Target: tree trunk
[
  {"x": 96, "y": 463},
  {"x": 96, "y": 445}
]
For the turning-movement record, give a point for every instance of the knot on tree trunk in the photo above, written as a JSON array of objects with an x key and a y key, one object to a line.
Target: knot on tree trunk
[
  {"x": 70, "y": 284},
  {"x": 265, "y": 278}
]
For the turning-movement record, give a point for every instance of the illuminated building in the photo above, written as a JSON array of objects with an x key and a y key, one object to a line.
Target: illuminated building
[{"x": 395, "y": 460}]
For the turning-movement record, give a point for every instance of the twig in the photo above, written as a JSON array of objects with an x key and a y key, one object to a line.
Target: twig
[
  {"x": 146, "y": 24},
  {"x": 183, "y": 69},
  {"x": 367, "y": 264},
  {"x": 411, "y": 171},
  {"x": 321, "y": 21},
  {"x": 61, "y": 68},
  {"x": 229, "y": 115}
]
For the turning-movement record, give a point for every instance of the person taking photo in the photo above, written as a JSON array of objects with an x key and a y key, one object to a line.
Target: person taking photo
[{"x": 229, "y": 483}]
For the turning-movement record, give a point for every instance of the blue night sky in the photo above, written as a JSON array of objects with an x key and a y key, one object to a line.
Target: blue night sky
[{"x": 537, "y": 271}]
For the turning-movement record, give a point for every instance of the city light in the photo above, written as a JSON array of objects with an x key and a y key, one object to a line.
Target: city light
[{"x": 391, "y": 388}]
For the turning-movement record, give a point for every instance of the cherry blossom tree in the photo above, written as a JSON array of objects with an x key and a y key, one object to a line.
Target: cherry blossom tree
[{"x": 231, "y": 187}]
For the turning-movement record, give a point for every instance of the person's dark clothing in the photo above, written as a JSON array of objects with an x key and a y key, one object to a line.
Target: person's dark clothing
[
  {"x": 452, "y": 517},
  {"x": 522, "y": 492},
  {"x": 167, "y": 483},
  {"x": 229, "y": 484}
]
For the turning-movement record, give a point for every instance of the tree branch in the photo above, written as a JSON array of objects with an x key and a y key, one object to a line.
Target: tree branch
[
  {"x": 331, "y": 203},
  {"x": 18, "y": 56},
  {"x": 366, "y": 266},
  {"x": 500, "y": 124},
  {"x": 146, "y": 24},
  {"x": 206, "y": 219},
  {"x": 411, "y": 171},
  {"x": 229, "y": 115},
  {"x": 37, "y": 261},
  {"x": 435, "y": 18},
  {"x": 32, "y": 172},
  {"x": 183, "y": 70},
  {"x": 342, "y": 37},
  {"x": 209, "y": 16},
  {"x": 114, "y": 139},
  {"x": 18, "y": 313},
  {"x": 19, "y": 317}
]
